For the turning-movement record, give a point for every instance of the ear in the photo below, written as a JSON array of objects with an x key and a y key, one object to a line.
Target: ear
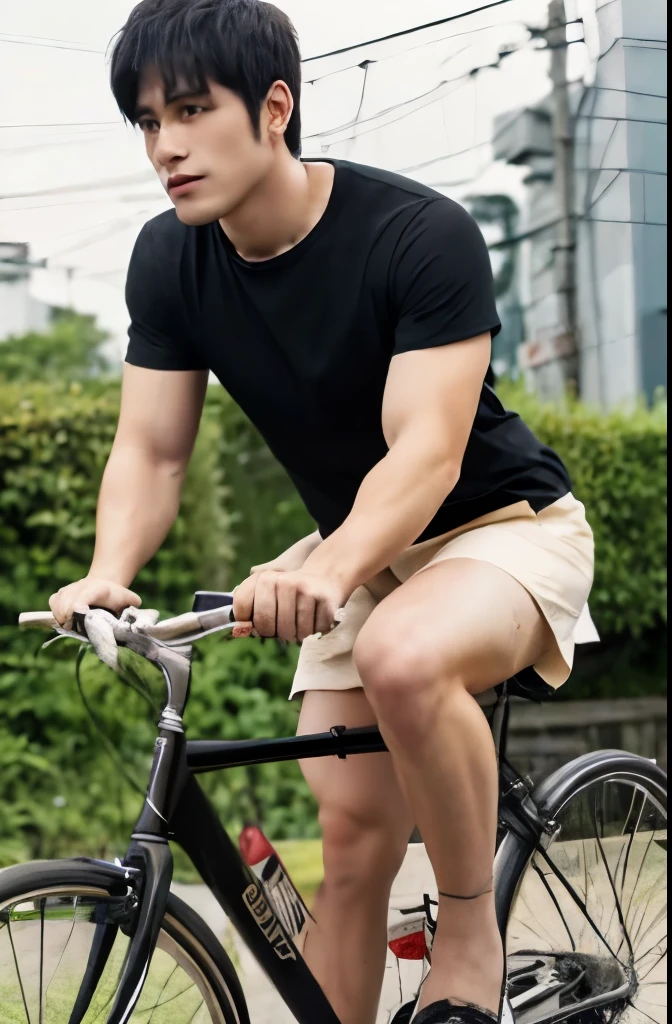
[{"x": 278, "y": 108}]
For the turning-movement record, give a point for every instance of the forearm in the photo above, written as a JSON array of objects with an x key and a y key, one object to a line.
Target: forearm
[
  {"x": 396, "y": 501},
  {"x": 138, "y": 503}
]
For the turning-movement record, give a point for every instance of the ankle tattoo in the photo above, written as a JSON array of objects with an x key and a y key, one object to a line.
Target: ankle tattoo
[{"x": 476, "y": 896}]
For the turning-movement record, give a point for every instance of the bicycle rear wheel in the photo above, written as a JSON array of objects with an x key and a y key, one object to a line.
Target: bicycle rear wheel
[
  {"x": 53, "y": 916},
  {"x": 587, "y": 930}
]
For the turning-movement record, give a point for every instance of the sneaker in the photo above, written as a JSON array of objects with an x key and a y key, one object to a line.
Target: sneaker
[{"x": 445, "y": 1012}]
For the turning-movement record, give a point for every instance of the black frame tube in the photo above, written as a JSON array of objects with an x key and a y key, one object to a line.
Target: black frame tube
[
  {"x": 200, "y": 833},
  {"x": 213, "y": 755}
]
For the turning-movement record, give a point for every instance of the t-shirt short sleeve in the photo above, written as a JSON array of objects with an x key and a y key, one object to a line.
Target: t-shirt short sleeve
[
  {"x": 442, "y": 280},
  {"x": 158, "y": 336}
]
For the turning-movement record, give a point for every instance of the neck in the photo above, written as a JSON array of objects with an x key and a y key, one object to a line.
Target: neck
[{"x": 281, "y": 210}]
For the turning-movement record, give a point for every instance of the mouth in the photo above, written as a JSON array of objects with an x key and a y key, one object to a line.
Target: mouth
[{"x": 180, "y": 184}]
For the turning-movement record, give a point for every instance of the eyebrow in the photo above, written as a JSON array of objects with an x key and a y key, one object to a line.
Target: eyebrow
[{"x": 173, "y": 97}]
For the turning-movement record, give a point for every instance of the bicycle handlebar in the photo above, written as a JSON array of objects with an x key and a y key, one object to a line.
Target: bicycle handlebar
[{"x": 170, "y": 629}]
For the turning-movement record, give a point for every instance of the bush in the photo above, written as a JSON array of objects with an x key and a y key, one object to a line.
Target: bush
[
  {"x": 72, "y": 349},
  {"x": 618, "y": 465},
  {"x": 57, "y": 787}
]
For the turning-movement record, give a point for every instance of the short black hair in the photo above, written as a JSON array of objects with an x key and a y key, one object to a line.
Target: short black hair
[{"x": 244, "y": 45}]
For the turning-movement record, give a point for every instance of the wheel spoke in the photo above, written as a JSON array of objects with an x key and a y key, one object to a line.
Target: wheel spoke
[
  {"x": 619, "y": 909},
  {"x": 41, "y": 1003},
  {"x": 639, "y": 874},
  {"x": 65, "y": 945},
  {"x": 602, "y": 881},
  {"x": 577, "y": 899},
  {"x": 165, "y": 986},
  {"x": 556, "y": 904},
  {"x": 46, "y": 940},
  {"x": 16, "y": 965},
  {"x": 653, "y": 967}
]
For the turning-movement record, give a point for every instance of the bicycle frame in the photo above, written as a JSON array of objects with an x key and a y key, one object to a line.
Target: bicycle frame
[{"x": 176, "y": 808}]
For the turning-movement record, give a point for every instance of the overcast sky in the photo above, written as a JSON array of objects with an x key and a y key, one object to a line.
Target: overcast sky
[{"x": 75, "y": 183}]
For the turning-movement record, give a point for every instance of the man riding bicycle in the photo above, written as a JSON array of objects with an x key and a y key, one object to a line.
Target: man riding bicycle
[{"x": 350, "y": 313}]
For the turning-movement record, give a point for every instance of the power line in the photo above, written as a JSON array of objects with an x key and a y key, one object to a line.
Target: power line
[
  {"x": 60, "y": 124},
  {"x": 88, "y": 186},
  {"x": 437, "y": 89},
  {"x": 47, "y": 39},
  {"x": 70, "y": 141},
  {"x": 52, "y": 46},
  {"x": 410, "y": 49},
  {"x": 120, "y": 225},
  {"x": 77, "y": 202},
  {"x": 460, "y": 152},
  {"x": 407, "y": 31},
  {"x": 389, "y": 110}
]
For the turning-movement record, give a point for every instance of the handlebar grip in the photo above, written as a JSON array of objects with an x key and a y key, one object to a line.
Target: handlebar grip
[
  {"x": 191, "y": 622},
  {"x": 37, "y": 620}
]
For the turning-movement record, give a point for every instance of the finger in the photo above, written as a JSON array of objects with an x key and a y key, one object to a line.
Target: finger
[
  {"x": 59, "y": 607},
  {"x": 116, "y": 599},
  {"x": 305, "y": 616},
  {"x": 286, "y": 600},
  {"x": 243, "y": 599},
  {"x": 324, "y": 617},
  {"x": 265, "y": 611}
]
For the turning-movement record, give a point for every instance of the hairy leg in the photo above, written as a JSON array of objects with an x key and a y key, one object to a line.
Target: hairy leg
[
  {"x": 366, "y": 827},
  {"x": 454, "y": 630}
]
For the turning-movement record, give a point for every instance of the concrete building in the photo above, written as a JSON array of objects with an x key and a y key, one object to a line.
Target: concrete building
[
  {"x": 619, "y": 349},
  {"x": 19, "y": 311}
]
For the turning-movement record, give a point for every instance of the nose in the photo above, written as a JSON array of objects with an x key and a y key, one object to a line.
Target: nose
[{"x": 170, "y": 147}]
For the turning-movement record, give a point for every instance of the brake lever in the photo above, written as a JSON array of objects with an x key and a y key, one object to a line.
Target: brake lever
[{"x": 64, "y": 634}]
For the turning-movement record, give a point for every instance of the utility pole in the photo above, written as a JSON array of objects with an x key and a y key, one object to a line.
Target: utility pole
[{"x": 563, "y": 177}]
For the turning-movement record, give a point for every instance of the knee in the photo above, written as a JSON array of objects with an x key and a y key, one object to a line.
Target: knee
[
  {"x": 363, "y": 851},
  {"x": 403, "y": 677}
]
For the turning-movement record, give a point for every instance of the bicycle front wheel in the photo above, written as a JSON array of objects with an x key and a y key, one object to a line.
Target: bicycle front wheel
[
  {"x": 587, "y": 930},
  {"x": 54, "y": 921}
]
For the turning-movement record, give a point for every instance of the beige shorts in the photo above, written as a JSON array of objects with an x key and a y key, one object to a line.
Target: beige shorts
[{"x": 551, "y": 553}]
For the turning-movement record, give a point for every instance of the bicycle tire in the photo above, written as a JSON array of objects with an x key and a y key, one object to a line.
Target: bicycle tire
[
  {"x": 560, "y": 798},
  {"x": 184, "y": 935}
]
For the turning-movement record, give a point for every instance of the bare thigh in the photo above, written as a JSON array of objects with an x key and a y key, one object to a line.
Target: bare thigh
[
  {"x": 462, "y": 619},
  {"x": 358, "y": 794}
]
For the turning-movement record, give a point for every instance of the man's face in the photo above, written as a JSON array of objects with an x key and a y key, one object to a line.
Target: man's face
[{"x": 202, "y": 147}]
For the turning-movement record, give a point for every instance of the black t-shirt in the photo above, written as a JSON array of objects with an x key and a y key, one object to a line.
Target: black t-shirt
[{"x": 303, "y": 341}]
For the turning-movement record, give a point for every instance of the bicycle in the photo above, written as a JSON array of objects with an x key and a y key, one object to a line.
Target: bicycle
[{"x": 580, "y": 881}]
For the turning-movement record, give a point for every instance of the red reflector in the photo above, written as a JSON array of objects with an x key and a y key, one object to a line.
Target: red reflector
[
  {"x": 254, "y": 846},
  {"x": 410, "y": 947}
]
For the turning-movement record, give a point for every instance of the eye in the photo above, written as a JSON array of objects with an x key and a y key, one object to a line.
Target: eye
[
  {"x": 148, "y": 126},
  {"x": 191, "y": 109}
]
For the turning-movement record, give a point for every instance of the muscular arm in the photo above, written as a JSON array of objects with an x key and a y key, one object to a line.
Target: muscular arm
[
  {"x": 140, "y": 493},
  {"x": 429, "y": 408}
]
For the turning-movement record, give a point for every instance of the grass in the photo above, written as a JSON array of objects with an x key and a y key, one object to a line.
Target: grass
[{"x": 303, "y": 860}]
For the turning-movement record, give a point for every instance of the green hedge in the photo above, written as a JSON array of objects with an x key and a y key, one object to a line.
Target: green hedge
[
  {"x": 60, "y": 790},
  {"x": 618, "y": 465}
]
